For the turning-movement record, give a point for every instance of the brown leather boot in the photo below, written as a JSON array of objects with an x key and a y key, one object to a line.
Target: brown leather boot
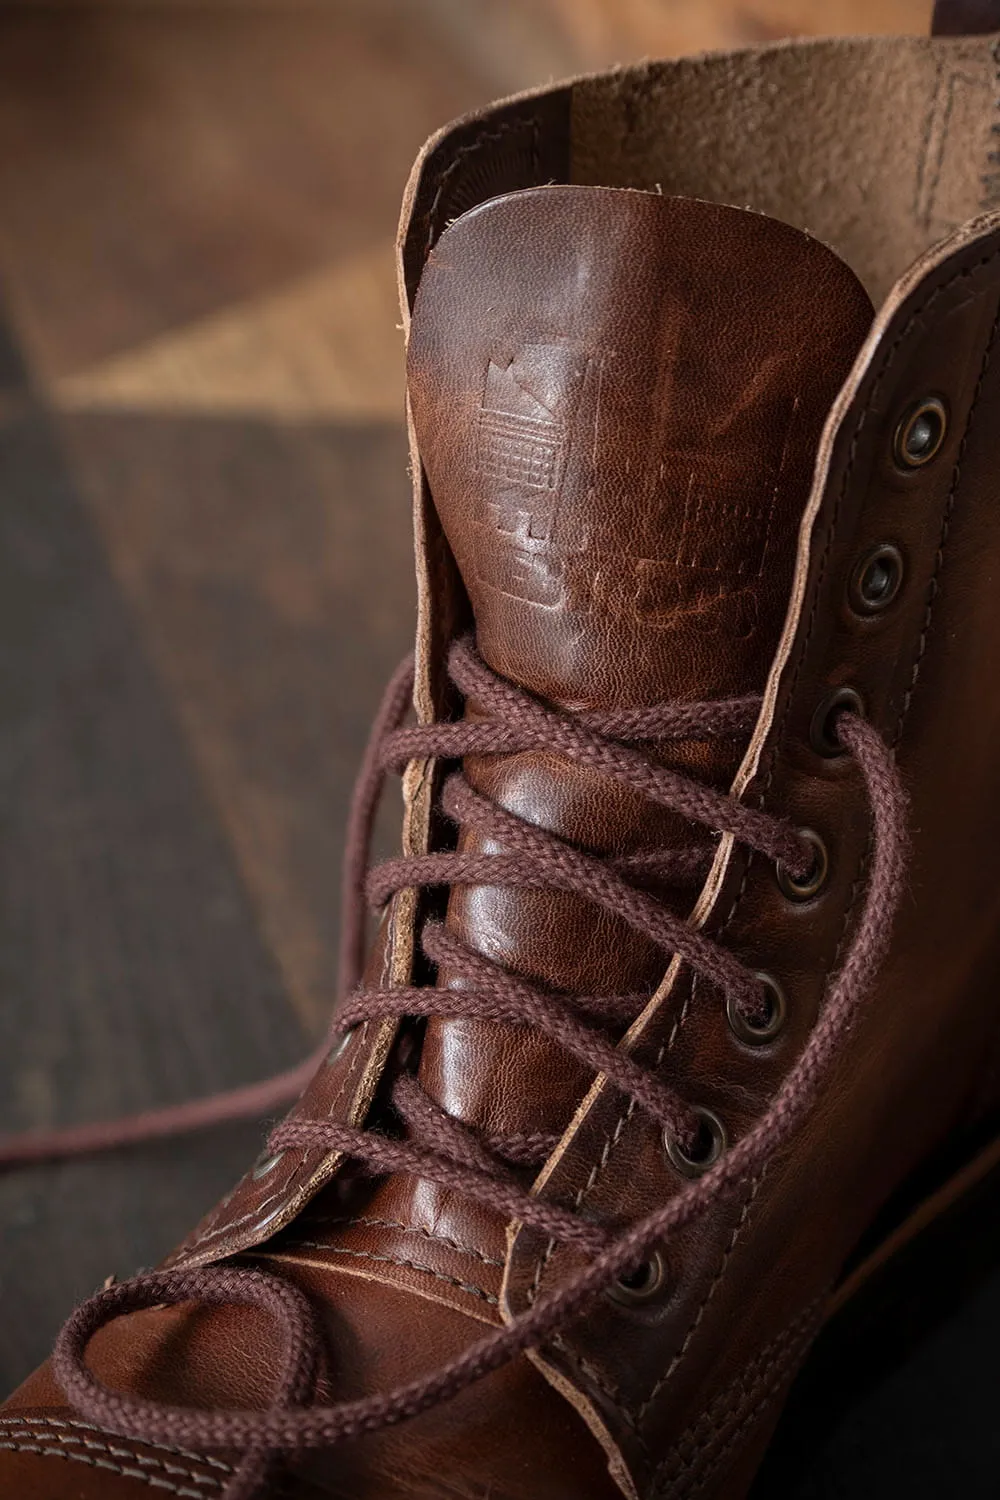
[{"x": 707, "y": 555}]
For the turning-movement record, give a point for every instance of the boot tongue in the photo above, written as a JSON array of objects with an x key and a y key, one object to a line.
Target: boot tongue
[{"x": 617, "y": 399}]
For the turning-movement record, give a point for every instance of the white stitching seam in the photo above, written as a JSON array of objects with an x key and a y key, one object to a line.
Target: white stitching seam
[
  {"x": 392, "y": 1260},
  {"x": 69, "y": 1424},
  {"x": 428, "y": 1234},
  {"x": 23, "y": 1435}
]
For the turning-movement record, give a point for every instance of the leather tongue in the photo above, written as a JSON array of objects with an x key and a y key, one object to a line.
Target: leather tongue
[{"x": 617, "y": 398}]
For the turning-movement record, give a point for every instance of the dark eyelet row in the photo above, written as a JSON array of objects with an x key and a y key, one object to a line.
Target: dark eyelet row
[
  {"x": 873, "y": 586},
  {"x": 875, "y": 582}
]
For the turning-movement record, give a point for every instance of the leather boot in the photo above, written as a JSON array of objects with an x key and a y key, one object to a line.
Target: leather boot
[{"x": 664, "y": 1041}]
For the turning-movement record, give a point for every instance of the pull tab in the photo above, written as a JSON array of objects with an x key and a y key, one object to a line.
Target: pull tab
[{"x": 965, "y": 17}]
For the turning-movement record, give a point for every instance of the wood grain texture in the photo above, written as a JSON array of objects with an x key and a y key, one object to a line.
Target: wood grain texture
[
  {"x": 198, "y": 500},
  {"x": 132, "y": 966}
]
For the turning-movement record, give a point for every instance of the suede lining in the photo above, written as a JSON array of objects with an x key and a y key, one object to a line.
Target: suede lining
[{"x": 879, "y": 146}]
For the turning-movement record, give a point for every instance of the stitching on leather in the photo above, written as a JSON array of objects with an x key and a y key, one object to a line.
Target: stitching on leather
[
  {"x": 634, "y": 1416},
  {"x": 770, "y": 1385},
  {"x": 738, "y": 1400},
  {"x": 231, "y": 1224},
  {"x": 427, "y": 1234},
  {"x": 23, "y": 1436},
  {"x": 968, "y": 272},
  {"x": 610, "y": 1141},
  {"x": 603, "y": 1384},
  {"x": 99, "y": 1463},
  {"x": 949, "y": 510},
  {"x": 740, "y": 1395},
  {"x": 685, "y": 1009},
  {"x": 759, "y": 1381},
  {"x": 934, "y": 589},
  {"x": 214, "y": 1230},
  {"x": 394, "y": 1260},
  {"x": 67, "y": 1423},
  {"x": 721, "y": 1269},
  {"x": 890, "y": 355}
]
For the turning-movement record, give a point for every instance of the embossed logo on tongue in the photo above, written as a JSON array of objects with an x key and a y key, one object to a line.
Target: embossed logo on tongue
[
  {"x": 524, "y": 430},
  {"x": 531, "y": 548},
  {"x": 617, "y": 399}
]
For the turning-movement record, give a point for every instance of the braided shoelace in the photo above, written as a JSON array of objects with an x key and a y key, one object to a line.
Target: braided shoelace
[{"x": 438, "y": 1148}]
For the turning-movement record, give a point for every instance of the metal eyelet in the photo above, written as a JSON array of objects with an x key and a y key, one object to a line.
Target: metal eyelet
[
  {"x": 920, "y": 433},
  {"x": 339, "y": 1047},
  {"x": 803, "y": 888},
  {"x": 822, "y": 733},
  {"x": 643, "y": 1284},
  {"x": 269, "y": 1218},
  {"x": 758, "y": 1034},
  {"x": 710, "y": 1146},
  {"x": 266, "y": 1165},
  {"x": 876, "y": 580}
]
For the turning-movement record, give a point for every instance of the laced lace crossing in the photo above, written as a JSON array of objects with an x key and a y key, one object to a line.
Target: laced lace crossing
[{"x": 435, "y": 1146}]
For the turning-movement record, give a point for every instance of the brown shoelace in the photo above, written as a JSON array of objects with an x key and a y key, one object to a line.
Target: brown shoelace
[{"x": 439, "y": 1148}]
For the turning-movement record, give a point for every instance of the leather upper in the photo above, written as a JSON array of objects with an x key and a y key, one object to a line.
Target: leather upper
[{"x": 618, "y": 420}]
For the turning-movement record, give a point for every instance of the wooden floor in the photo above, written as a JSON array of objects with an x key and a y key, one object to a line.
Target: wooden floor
[{"x": 204, "y": 564}]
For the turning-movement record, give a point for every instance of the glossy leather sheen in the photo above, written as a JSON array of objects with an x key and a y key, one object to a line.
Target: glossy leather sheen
[
  {"x": 618, "y": 417},
  {"x": 617, "y": 405}
]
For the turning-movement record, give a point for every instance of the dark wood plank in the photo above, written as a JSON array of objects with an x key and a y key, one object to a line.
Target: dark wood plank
[
  {"x": 270, "y": 568},
  {"x": 160, "y": 161},
  {"x": 132, "y": 966},
  {"x": 185, "y": 581}
]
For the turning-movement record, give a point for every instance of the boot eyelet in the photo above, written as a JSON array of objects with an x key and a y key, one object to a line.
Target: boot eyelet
[
  {"x": 876, "y": 580},
  {"x": 822, "y": 731},
  {"x": 266, "y": 1165},
  {"x": 920, "y": 433},
  {"x": 709, "y": 1147},
  {"x": 759, "y": 1033},
  {"x": 805, "y": 887},
  {"x": 642, "y": 1284},
  {"x": 339, "y": 1047}
]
